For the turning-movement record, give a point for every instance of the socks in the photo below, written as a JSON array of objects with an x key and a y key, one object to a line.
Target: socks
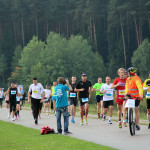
[
  {"x": 148, "y": 117},
  {"x": 110, "y": 118}
]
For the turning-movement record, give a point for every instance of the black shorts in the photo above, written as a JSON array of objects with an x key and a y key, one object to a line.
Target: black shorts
[
  {"x": 137, "y": 103},
  {"x": 73, "y": 101},
  {"x": 17, "y": 102},
  {"x": 99, "y": 98},
  {"x": 106, "y": 104},
  {"x": 148, "y": 103},
  {"x": 47, "y": 101},
  {"x": 41, "y": 104},
  {"x": 83, "y": 103},
  {"x": 7, "y": 101},
  {"x": 12, "y": 105}
]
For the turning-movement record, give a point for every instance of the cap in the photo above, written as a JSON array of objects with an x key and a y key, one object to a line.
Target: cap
[
  {"x": 35, "y": 78},
  {"x": 47, "y": 84},
  {"x": 84, "y": 74},
  {"x": 13, "y": 82}
]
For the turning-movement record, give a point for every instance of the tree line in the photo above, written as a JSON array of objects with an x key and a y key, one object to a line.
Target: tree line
[{"x": 113, "y": 28}]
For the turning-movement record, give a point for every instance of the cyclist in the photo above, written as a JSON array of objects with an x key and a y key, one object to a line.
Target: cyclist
[
  {"x": 99, "y": 97},
  {"x": 134, "y": 88},
  {"x": 107, "y": 98},
  {"x": 84, "y": 88},
  {"x": 146, "y": 86},
  {"x": 119, "y": 84}
]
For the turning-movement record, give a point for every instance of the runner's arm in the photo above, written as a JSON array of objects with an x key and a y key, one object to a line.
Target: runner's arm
[{"x": 140, "y": 87}]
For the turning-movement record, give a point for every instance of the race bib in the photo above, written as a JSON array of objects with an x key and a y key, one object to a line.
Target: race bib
[
  {"x": 148, "y": 95},
  {"x": 35, "y": 91},
  {"x": 130, "y": 103},
  {"x": 109, "y": 92},
  {"x": 18, "y": 98},
  {"x": 13, "y": 92},
  {"x": 85, "y": 99},
  {"x": 121, "y": 92},
  {"x": 72, "y": 94}
]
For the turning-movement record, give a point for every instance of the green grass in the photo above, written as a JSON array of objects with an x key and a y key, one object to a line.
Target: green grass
[{"x": 17, "y": 137}]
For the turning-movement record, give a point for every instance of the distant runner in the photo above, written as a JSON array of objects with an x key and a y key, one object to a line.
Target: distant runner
[
  {"x": 1, "y": 97},
  {"x": 99, "y": 97}
]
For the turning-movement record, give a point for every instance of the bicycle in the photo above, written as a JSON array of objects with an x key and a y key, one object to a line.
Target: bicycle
[{"x": 130, "y": 104}]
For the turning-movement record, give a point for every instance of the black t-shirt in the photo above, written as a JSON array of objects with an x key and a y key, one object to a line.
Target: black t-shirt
[
  {"x": 12, "y": 93},
  {"x": 73, "y": 88},
  {"x": 85, "y": 85}
]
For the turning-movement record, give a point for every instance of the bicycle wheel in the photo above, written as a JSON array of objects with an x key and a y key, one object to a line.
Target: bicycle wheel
[{"x": 131, "y": 122}]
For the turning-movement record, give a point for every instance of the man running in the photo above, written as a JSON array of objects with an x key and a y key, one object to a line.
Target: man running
[
  {"x": 119, "y": 84},
  {"x": 13, "y": 93},
  {"x": 99, "y": 97},
  {"x": 73, "y": 98},
  {"x": 84, "y": 88},
  {"x": 47, "y": 99},
  {"x": 146, "y": 86},
  {"x": 53, "y": 103},
  {"x": 107, "y": 98},
  {"x": 36, "y": 89},
  {"x": 1, "y": 97},
  {"x": 134, "y": 88},
  {"x": 62, "y": 104}
]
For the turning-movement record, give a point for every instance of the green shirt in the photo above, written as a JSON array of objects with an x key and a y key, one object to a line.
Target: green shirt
[{"x": 97, "y": 86}]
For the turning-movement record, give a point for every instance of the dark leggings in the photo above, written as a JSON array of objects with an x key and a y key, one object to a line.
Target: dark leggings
[
  {"x": 12, "y": 105},
  {"x": 35, "y": 105}
]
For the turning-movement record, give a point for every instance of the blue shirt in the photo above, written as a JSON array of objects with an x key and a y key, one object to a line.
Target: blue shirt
[{"x": 61, "y": 95}]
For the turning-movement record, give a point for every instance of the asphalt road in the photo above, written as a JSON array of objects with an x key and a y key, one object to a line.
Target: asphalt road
[{"x": 96, "y": 131}]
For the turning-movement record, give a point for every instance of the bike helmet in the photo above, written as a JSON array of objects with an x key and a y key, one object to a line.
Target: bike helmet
[{"x": 132, "y": 71}]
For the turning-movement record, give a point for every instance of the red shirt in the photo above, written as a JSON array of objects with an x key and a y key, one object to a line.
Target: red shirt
[{"x": 120, "y": 89}]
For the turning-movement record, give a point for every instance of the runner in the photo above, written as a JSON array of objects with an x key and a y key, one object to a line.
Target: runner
[
  {"x": 134, "y": 88},
  {"x": 73, "y": 98},
  {"x": 146, "y": 86},
  {"x": 53, "y": 95},
  {"x": 17, "y": 102},
  {"x": 21, "y": 97},
  {"x": 1, "y": 97},
  {"x": 62, "y": 104},
  {"x": 119, "y": 84},
  {"x": 13, "y": 93},
  {"x": 99, "y": 97},
  {"x": 47, "y": 99},
  {"x": 107, "y": 98},
  {"x": 6, "y": 96},
  {"x": 36, "y": 89},
  {"x": 84, "y": 88}
]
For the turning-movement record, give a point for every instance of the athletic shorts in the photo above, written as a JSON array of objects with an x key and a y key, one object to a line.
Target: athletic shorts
[
  {"x": 17, "y": 102},
  {"x": 73, "y": 101},
  {"x": 12, "y": 105},
  {"x": 47, "y": 101},
  {"x": 148, "y": 103},
  {"x": 83, "y": 103},
  {"x": 99, "y": 98},
  {"x": 137, "y": 103},
  {"x": 41, "y": 104},
  {"x": 119, "y": 101},
  {"x": 7, "y": 101},
  {"x": 53, "y": 98},
  {"x": 106, "y": 104}
]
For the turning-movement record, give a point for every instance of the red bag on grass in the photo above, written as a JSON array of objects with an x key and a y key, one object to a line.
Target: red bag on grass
[{"x": 47, "y": 130}]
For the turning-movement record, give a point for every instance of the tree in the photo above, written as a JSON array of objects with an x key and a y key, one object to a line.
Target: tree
[{"x": 140, "y": 58}]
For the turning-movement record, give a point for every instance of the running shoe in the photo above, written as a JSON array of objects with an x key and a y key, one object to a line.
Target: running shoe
[
  {"x": 101, "y": 115},
  {"x": 149, "y": 126},
  {"x": 16, "y": 118},
  {"x": 13, "y": 119},
  {"x": 36, "y": 121},
  {"x": 81, "y": 123},
  {"x": 98, "y": 115},
  {"x": 137, "y": 127},
  {"x": 47, "y": 113},
  {"x": 86, "y": 122},
  {"x": 72, "y": 120},
  {"x": 8, "y": 116},
  {"x": 109, "y": 122},
  {"x": 124, "y": 124},
  {"x": 120, "y": 125},
  {"x": 104, "y": 118}
]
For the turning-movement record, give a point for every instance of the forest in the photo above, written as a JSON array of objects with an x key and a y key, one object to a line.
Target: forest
[{"x": 54, "y": 38}]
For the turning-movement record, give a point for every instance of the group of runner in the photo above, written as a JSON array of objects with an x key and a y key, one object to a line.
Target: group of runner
[{"x": 124, "y": 85}]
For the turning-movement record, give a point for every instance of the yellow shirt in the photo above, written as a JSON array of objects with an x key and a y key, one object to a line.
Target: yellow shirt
[
  {"x": 138, "y": 84},
  {"x": 145, "y": 86}
]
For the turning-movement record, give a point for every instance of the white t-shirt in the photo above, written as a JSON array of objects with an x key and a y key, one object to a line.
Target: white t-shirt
[
  {"x": 36, "y": 90},
  {"x": 1, "y": 94},
  {"x": 47, "y": 93},
  {"x": 109, "y": 92}
]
